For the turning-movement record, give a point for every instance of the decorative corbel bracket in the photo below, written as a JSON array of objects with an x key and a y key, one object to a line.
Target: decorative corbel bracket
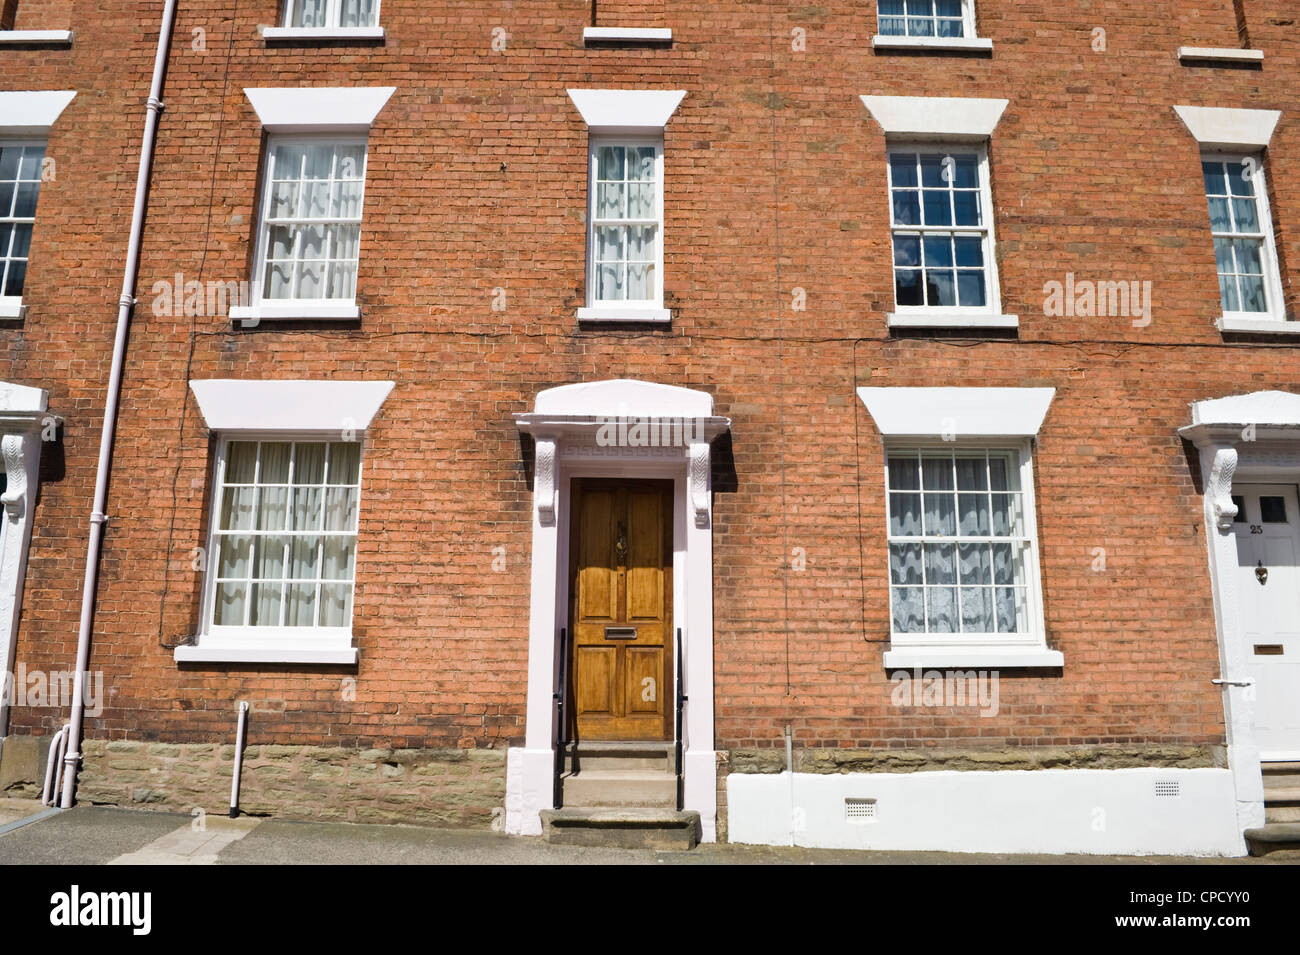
[
  {"x": 699, "y": 478},
  {"x": 544, "y": 480},
  {"x": 14, "y": 499},
  {"x": 1219, "y": 486}
]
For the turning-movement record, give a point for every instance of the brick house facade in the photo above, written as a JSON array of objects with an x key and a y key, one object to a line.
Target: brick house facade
[{"x": 784, "y": 329}]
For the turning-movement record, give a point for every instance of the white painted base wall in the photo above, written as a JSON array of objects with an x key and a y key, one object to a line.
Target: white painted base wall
[{"x": 1085, "y": 811}]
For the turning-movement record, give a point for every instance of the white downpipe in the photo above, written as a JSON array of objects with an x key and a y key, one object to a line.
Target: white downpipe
[
  {"x": 54, "y": 767},
  {"x": 239, "y": 759},
  {"x": 72, "y": 759}
]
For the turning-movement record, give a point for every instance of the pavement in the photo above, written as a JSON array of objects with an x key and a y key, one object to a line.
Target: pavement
[{"x": 89, "y": 835}]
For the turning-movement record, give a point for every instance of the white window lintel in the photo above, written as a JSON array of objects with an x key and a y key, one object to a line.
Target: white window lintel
[
  {"x": 960, "y": 412},
  {"x": 627, "y": 112},
  {"x": 319, "y": 109},
  {"x": 931, "y": 117},
  {"x": 1218, "y": 128},
  {"x": 289, "y": 406},
  {"x": 32, "y": 112}
]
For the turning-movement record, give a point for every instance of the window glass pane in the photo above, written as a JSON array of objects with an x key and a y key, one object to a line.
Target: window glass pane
[
  {"x": 231, "y": 604},
  {"x": 1243, "y": 211},
  {"x": 1253, "y": 298},
  {"x": 337, "y": 557},
  {"x": 941, "y": 288},
  {"x": 907, "y": 207},
  {"x": 268, "y": 560},
  {"x": 966, "y": 209},
  {"x": 335, "y": 605},
  {"x": 235, "y": 552},
  {"x": 340, "y": 509},
  {"x": 304, "y": 558},
  {"x": 610, "y": 163},
  {"x": 1241, "y": 177},
  {"x": 904, "y": 474},
  {"x": 902, "y": 170},
  {"x": 938, "y": 207},
  {"x": 10, "y": 158},
  {"x": 940, "y": 564},
  {"x": 907, "y": 250},
  {"x": 14, "y": 277},
  {"x": 265, "y": 609},
  {"x": 975, "y": 564},
  {"x": 907, "y": 287},
  {"x": 237, "y": 508},
  {"x": 272, "y": 508},
  {"x": 1249, "y": 261},
  {"x": 971, "y": 291},
  {"x": 893, "y": 26},
  {"x": 905, "y": 515},
  {"x": 1215, "y": 182},
  {"x": 300, "y": 611},
  {"x": 1272, "y": 509},
  {"x": 937, "y": 473},
  {"x": 345, "y": 462},
  {"x": 941, "y": 609},
  {"x": 905, "y": 563},
  {"x": 909, "y": 610},
  {"x": 977, "y": 610},
  {"x": 359, "y": 13},
  {"x": 974, "y": 514},
  {"x": 1220, "y": 217},
  {"x": 933, "y": 171},
  {"x": 308, "y": 13},
  {"x": 25, "y": 200},
  {"x": 950, "y": 28},
  {"x": 938, "y": 251},
  {"x": 1228, "y": 293}
]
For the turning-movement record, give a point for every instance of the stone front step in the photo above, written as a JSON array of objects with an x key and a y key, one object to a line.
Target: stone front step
[
  {"x": 1273, "y": 837},
  {"x": 1282, "y": 769},
  {"x": 638, "y": 828},
  {"x": 602, "y": 755},
  {"x": 1281, "y": 813},
  {"x": 1281, "y": 795},
  {"x": 620, "y": 788}
]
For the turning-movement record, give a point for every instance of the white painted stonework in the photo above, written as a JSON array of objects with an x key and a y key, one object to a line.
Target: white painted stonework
[
  {"x": 564, "y": 426},
  {"x": 350, "y": 109},
  {"x": 1044, "y": 811},
  {"x": 229, "y": 404},
  {"x": 958, "y": 412},
  {"x": 1253, "y": 438},
  {"x": 630, "y": 112},
  {"x": 1218, "y": 128},
  {"x": 32, "y": 113},
  {"x": 24, "y": 423},
  {"x": 936, "y": 117}
]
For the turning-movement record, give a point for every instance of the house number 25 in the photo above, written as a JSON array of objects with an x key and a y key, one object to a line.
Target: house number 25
[{"x": 1257, "y": 528}]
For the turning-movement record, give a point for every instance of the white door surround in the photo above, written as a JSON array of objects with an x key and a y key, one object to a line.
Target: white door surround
[
  {"x": 629, "y": 429},
  {"x": 1253, "y": 439},
  {"x": 24, "y": 422}
]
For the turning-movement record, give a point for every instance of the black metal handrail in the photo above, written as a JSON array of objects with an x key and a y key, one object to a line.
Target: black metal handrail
[
  {"x": 561, "y": 720},
  {"x": 677, "y": 743}
]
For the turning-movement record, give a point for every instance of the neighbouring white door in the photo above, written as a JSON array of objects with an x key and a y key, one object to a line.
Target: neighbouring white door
[{"x": 1268, "y": 584}]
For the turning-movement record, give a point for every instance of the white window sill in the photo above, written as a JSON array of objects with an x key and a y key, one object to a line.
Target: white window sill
[
  {"x": 282, "y": 34},
  {"x": 625, "y": 35},
  {"x": 943, "y": 319},
  {"x": 957, "y": 44},
  {"x": 340, "y": 311},
  {"x": 1213, "y": 54},
  {"x": 1261, "y": 326},
  {"x": 910, "y": 658},
  {"x": 227, "y": 654},
  {"x": 613, "y": 313},
  {"x": 35, "y": 37},
  {"x": 12, "y": 308}
]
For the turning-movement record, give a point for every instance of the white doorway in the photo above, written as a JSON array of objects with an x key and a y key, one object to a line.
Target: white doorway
[{"x": 1267, "y": 529}]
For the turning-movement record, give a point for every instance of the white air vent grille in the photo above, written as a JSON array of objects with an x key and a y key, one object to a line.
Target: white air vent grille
[
  {"x": 1167, "y": 787},
  {"x": 860, "y": 810}
]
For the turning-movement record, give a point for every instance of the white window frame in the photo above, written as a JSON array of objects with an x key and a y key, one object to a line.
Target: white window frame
[
  {"x": 333, "y": 18},
  {"x": 969, "y": 41},
  {"x": 958, "y": 649},
  {"x": 649, "y": 310},
  {"x": 967, "y": 21},
  {"x": 325, "y": 645},
  {"x": 303, "y": 307},
  {"x": 1275, "y": 314},
  {"x": 988, "y": 315},
  {"x": 11, "y": 306}
]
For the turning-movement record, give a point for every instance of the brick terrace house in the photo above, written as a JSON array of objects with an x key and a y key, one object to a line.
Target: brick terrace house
[{"x": 909, "y": 385}]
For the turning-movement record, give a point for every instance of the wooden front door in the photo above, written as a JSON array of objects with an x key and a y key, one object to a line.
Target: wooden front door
[{"x": 621, "y": 549}]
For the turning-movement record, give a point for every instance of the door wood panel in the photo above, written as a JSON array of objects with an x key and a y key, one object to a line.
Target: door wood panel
[{"x": 621, "y": 608}]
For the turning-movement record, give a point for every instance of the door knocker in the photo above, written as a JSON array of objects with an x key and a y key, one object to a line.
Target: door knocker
[
  {"x": 1261, "y": 574},
  {"x": 620, "y": 544}
]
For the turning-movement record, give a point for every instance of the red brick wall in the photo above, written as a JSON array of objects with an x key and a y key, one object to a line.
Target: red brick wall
[
  {"x": 775, "y": 180},
  {"x": 54, "y": 15}
]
